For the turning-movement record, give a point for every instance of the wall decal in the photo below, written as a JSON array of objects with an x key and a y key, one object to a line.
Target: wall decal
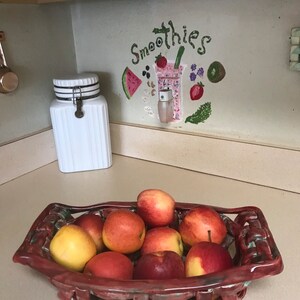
[
  {"x": 169, "y": 73},
  {"x": 168, "y": 36},
  {"x": 146, "y": 96},
  {"x": 193, "y": 76},
  {"x": 194, "y": 72},
  {"x": 202, "y": 114},
  {"x": 193, "y": 67},
  {"x": 178, "y": 57},
  {"x": 149, "y": 111},
  {"x": 216, "y": 72},
  {"x": 151, "y": 85},
  {"x": 130, "y": 82},
  {"x": 148, "y": 92},
  {"x": 170, "y": 77},
  {"x": 200, "y": 72},
  {"x": 161, "y": 61},
  {"x": 196, "y": 91},
  {"x": 146, "y": 72}
]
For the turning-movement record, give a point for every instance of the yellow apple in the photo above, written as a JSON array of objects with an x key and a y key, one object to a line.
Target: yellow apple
[{"x": 72, "y": 247}]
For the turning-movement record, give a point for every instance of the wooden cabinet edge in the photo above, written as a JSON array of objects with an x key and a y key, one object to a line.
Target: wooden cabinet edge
[{"x": 31, "y": 1}]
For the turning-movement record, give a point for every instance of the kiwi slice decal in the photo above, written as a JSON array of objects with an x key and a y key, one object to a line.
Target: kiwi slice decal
[{"x": 216, "y": 72}]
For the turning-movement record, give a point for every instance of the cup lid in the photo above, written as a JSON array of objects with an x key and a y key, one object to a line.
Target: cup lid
[{"x": 165, "y": 95}]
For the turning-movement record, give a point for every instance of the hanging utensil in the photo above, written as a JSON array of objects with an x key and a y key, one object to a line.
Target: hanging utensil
[{"x": 8, "y": 80}]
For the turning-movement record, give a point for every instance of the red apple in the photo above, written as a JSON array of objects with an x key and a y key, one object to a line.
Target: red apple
[
  {"x": 202, "y": 224},
  {"x": 110, "y": 264},
  {"x": 156, "y": 207},
  {"x": 123, "y": 231},
  {"x": 93, "y": 225},
  {"x": 162, "y": 239},
  {"x": 159, "y": 265},
  {"x": 206, "y": 257}
]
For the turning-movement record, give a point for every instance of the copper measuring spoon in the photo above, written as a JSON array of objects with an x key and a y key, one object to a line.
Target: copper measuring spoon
[{"x": 8, "y": 80}]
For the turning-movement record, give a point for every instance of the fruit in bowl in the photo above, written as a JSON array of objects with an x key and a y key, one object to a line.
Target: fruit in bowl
[
  {"x": 110, "y": 264},
  {"x": 159, "y": 265},
  {"x": 93, "y": 225},
  {"x": 162, "y": 239},
  {"x": 202, "y": 224},
  {"x": 156, "y": 207},
  {"x": 207, "y": 257},
  {"x": 123, "y": 231},
  {"x": 226, "y": 284},
  {"x": 156, "y": 251},
  {"x": 67, "y": 246}
]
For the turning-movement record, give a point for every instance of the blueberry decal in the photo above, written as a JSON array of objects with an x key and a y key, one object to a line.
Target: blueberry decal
[{"x": 146, "y": 72}]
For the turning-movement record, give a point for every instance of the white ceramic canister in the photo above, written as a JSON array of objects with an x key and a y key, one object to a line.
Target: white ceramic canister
[{"x": 80, "y": 122}]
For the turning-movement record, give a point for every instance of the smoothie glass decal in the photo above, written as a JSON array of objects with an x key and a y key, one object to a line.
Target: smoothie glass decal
[{"x": 170, "y": 77}]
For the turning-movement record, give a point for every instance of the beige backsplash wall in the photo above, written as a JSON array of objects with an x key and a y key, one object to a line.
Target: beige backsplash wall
[
  {"x": 257, "y": 101},
  {"x": 39, "y": 46}
]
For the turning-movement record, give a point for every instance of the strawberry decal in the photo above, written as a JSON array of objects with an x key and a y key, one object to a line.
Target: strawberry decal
[
  {"x": 196, "y": 91},
  {"x": 161, "y": 61}
]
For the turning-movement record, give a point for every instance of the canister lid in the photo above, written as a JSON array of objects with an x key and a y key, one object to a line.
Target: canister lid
[
  {"x": 84, "y": 86},
  {"x": 78, "y": 80},
  {"x": 77, "y": 94},
  {"x": 71, "y": 90}
]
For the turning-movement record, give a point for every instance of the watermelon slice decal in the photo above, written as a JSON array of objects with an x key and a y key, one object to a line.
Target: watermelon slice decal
[{"x": 130, "y": 82}]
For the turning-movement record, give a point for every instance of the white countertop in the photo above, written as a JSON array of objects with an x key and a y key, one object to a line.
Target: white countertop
[{"x": 22, "y": 199}]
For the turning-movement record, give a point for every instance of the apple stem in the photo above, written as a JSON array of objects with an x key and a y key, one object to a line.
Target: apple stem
[{"x": 209, "y": 235}]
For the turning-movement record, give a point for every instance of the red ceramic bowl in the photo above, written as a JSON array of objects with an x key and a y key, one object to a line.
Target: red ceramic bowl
[{"x": 249, "y": 238}]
